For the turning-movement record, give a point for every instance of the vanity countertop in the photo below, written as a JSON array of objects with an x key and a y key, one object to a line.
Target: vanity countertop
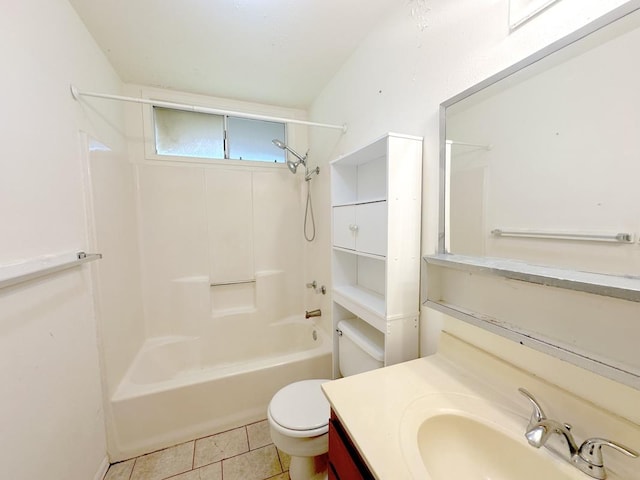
[{"x": 371, "y": 406}]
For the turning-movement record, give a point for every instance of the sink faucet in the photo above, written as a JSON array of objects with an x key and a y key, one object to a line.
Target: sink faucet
[
  {"x": 587, "y": 458},
  {"x": 538, "y": 434}
]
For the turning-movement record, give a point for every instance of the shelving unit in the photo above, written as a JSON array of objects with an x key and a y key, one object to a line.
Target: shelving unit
[{"x": 376, "y": 204}]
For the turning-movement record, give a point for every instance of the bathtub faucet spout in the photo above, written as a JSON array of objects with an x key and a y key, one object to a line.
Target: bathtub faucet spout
[{"x": 312, "y": 313}]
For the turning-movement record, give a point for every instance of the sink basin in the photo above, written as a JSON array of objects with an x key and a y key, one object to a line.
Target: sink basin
[
  {"x": 452, "y": 446},
  {"x": 462, "y": 437}
]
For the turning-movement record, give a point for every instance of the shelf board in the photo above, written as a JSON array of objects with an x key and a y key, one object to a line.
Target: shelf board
[
  {"x": 616, "y": 286},
  {"x": 364, "y": 303},
  {"x": 360, "y": 254},
  {"x": 616, "y": 371},
  {"x": 375, "y": 149}
]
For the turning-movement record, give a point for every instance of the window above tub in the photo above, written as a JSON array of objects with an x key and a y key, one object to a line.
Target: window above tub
[{"x": 182, "y": 133}]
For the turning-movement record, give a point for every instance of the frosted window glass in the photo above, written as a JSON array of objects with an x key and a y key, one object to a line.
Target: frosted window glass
[
  {"x": 189, "y": 134},
  {"x": 252, "y": 140}
]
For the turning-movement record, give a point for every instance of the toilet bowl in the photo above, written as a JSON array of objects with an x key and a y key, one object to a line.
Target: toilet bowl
[
  {"x": 299, "y": 413},
  {"x": 298, "y": 416}
]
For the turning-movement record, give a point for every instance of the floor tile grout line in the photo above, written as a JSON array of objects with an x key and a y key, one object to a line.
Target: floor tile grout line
[
  {"x": 135, "y": 460},
  {"x": 193, "y": 457},
  {"x": 280, "y": 459},
  {"x": 260, "y": 446},
  {"x": 193, "y": 470},
  {"x": 257, "y": 421}
]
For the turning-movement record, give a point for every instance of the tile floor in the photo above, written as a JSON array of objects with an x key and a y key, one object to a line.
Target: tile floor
[{"x": 244, "y": 453}]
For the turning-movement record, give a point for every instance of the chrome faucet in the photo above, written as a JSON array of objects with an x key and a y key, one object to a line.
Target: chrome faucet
[
  {"x": 587, "y": 458},
  {"x": 312, "y": 313},
  {"x": 539, "y": 434}
]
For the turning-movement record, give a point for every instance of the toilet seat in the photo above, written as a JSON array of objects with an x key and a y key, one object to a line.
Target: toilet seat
[{"x": 300, "y": 409}]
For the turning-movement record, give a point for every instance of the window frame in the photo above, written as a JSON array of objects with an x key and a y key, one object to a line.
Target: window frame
[
  {"x": 225, "y": 138},
  {"x": 148, "y": 128}
]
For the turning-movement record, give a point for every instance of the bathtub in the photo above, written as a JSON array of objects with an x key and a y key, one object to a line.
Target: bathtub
[{"x": 182, "y": 387}]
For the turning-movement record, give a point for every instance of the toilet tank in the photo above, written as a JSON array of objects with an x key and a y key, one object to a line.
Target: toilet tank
[{"x": 360, "y": 347}]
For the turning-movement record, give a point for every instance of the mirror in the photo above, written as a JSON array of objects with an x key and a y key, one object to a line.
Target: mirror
[
  {"x": 544, "y": 164},
  {"x": 540, "y": 168}
]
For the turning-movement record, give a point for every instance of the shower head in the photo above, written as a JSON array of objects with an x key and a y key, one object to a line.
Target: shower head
[{"x": 293, "y": 166}]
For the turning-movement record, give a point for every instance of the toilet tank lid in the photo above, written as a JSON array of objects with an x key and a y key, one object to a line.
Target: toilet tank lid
[
  {"x": 301, "y": 406},
  {"x": 365, "y": 336}
]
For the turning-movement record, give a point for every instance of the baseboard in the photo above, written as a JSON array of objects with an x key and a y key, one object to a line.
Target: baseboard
[{"x": 102, "y": 470}]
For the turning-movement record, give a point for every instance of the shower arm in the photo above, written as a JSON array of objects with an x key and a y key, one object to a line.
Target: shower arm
[{"x": 303, "y": 159}]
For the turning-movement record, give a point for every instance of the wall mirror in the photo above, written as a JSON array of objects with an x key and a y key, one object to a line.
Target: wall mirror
[{"x": 540, "y": 179}]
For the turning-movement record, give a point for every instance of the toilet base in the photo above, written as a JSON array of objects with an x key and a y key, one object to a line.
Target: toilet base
[{"x": 308, "y": 468}]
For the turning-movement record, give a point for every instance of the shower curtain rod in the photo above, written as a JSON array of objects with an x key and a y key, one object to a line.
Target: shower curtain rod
[{"x": 195, "y": 108}]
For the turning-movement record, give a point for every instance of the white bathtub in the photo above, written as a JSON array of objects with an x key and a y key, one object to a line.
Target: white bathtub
[{"x": 179, "y": 388}]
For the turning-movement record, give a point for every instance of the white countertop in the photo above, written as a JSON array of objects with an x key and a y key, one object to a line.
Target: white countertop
[{"x": 371, "y": 405}]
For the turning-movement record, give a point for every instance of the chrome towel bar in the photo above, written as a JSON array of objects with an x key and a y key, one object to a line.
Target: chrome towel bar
[
  {"x": 39, "y": 267},
  {"x": 589, "y": 237},
  {"x": 231, "y": 282}
]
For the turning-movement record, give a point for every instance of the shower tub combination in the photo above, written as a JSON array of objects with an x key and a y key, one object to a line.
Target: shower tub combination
[{"x": 183, "y": 387}]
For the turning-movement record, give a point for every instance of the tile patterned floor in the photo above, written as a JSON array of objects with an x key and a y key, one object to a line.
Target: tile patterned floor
[{"x": 244, "y": 453}]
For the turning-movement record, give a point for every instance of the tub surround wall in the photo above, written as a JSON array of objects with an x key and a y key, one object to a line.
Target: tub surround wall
[
  {"x": 192, "y": 217},
  {"x": 396, "y": 80},
  {"x": 53, "y": 419},
  {"x": 118, "y": 292},
  {"x": 220, "y": 222}
]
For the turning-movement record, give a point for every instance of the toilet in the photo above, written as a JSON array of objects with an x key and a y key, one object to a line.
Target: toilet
[{"x": 298, "y": 414}]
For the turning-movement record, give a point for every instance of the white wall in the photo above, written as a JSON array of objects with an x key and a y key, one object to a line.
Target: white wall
[
  {"x": 52, "y": 417},
  {"x": 396, "y": 80}
]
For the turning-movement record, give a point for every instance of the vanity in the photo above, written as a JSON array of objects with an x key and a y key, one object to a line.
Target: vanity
[
  {"x": 459, "y": 415},
  {"x": 345, "y": 462}
]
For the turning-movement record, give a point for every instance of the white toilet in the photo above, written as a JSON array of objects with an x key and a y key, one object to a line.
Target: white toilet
[{"x": 298, "y": 414}]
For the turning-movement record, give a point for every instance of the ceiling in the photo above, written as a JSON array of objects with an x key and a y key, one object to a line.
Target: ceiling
[{"x": 279, "y": 52}]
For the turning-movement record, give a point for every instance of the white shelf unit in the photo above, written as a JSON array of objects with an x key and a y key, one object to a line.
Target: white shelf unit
[{"x": 376, "y": 204}]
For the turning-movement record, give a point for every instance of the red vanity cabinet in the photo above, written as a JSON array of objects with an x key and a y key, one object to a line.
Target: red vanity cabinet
[{"x": 345, "y": 463}]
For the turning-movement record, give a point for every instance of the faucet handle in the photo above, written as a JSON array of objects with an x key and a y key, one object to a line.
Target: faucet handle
[
  {"x": 589, "y": 458},
  {"x": 591, "y": 450},
  {"x": 538, "y": 414}
]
